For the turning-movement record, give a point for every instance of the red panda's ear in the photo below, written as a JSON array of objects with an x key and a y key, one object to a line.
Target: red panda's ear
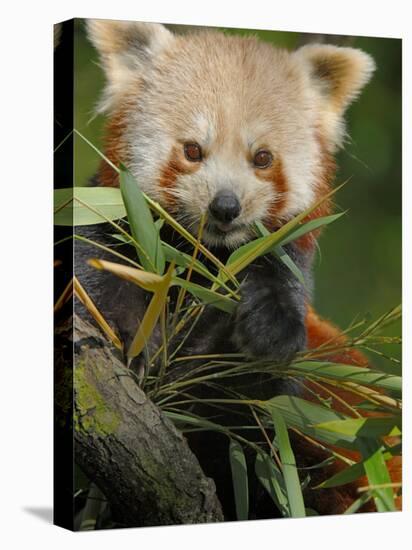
[
  {"x": 339, "y": 74},
  {"x": 126, "y": 49}
]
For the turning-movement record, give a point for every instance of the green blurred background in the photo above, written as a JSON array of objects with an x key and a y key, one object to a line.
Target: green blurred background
[{"x": 358, "y": 269}]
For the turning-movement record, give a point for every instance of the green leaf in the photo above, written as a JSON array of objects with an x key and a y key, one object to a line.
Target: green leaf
[
  {"x": 289, "y": 470},
  {"x": 377, "y": 473},
  {"x": 142, "y": 226},
  {"x": 240, "y": 480},
  {"x": 122, "y": 238},
  {"x": 247, "y": 253},
  {"x": 311, "y": 512},
  {"x": 243, "y": 250},
  {"x": 144, "y": 279},
  {"x": 282, "y": 256},
  {"x": 207, "y": 296},
  {"x": 353, "y": 472},
  {"x": 82, "y": 205},
  {"x": 151, "y": 315},
  {"x": 191, "y": 239},
  {"x": 312, "y": 225},
  {"x": 167, "y": 217},
  {"x": 355, "y": 506},
  {"x": 280, "y": 253},
  {"x": 304, "y": 415},
  {"x": 365, "y": 427},
  {"x": 278, "y": 250},
  {"x": 345, "y": 476},
  {"x": 181, "y": 420},
  {"x": 271, "y": 478},
  {"x": 350, "y": 373},
  {"x": 186, "y": 261},
  {"x": 393, "y": 450}
]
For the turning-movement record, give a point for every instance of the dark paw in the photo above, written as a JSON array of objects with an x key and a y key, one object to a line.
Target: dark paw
[{"x": 269, "y": 331}]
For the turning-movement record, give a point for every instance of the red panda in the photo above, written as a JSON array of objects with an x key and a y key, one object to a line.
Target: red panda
[
  {"x": 246, "y": 132},
  {"x": 235, "y": 127}
]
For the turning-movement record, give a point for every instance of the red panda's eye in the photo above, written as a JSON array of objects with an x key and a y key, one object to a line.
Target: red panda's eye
[
  {"x": 193, "y": 152},
  {"x": 262, "y": 159}
]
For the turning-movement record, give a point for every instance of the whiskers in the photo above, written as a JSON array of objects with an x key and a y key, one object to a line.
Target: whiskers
[
  {"x": 188, "y": 212},
  {"x": 189, "y": 221}
]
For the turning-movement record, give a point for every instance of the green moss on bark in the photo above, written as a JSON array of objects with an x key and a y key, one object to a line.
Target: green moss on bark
[{"x": 91, "y": 414}]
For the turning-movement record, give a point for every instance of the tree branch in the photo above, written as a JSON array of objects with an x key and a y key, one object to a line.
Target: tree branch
[{"x": 124, "y": 443}]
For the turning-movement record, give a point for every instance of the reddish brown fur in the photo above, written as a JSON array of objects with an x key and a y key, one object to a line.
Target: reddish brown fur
[
  {"x": 320, "y": 332},
  {"x": 332, "y": 500},
  {"x": 324, "y": 184},
  {"x": 176, "y": 165},
  {"x": 115, "y": 146},
  {"x": 276, "y": 177}
]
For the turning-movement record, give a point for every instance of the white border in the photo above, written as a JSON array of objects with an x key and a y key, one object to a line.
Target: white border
[{"x": 26, "y": 275}]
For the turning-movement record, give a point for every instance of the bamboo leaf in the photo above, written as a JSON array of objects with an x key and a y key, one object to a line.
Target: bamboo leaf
[
  {"x": 349, "y": 475},
  {"x": 151, "y": 315},
  {"x": 243, "y": 251},
  {"x": 355, "y": 471},
  {"x": 310, "y": 226},
  {"x": 304, "y": 415},
  {"x": 355, "y": 506},
  {"x": 82, "y": 295},
  {"x": 289, "y": 470},
  {"x": 271, "y": 478},
  {"x": 184, "y": 260},
  {"x": 142, "y": 226},
  {"x": 68, "y": 211},
  {"x": 311, "y": 512},
  {"x": 282, "y": 256},
  {"x": 247, "y": 253},
  {"x": 350, "y": 373},
  {"x": 167, "y": 217},
  {"x": 122, "y": 238},
  {"x": 191, "y": 239},
  {"x": 240, "y": 480},
  {"x": 181, "y": 420},
  {"x": 365, "y": 427},
  {"x": 64, "y": 297},
  {"x": 377, "y": 473},
  {"x": 144, "y": 279},
  {"x": 345, "y": 476},
  {"x": 207, "y": 296}
]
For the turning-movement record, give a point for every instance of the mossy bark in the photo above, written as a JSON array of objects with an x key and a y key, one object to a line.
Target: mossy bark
[{"x": 130, "y": 450}]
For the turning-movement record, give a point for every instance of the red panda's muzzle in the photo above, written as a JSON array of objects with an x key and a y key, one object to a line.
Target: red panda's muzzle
[{"x": 224, "y": 208}]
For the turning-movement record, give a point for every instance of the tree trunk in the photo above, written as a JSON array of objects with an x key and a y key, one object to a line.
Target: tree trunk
[{"x": 124, "y": 443}]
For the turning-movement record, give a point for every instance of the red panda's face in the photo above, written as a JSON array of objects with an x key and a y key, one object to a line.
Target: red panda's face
[
  {"x": 240, "y": 147},
  {"x": 226, "y": 126}
]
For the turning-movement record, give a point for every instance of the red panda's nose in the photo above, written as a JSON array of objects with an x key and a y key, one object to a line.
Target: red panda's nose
[{"x": 225, "y": 207}]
